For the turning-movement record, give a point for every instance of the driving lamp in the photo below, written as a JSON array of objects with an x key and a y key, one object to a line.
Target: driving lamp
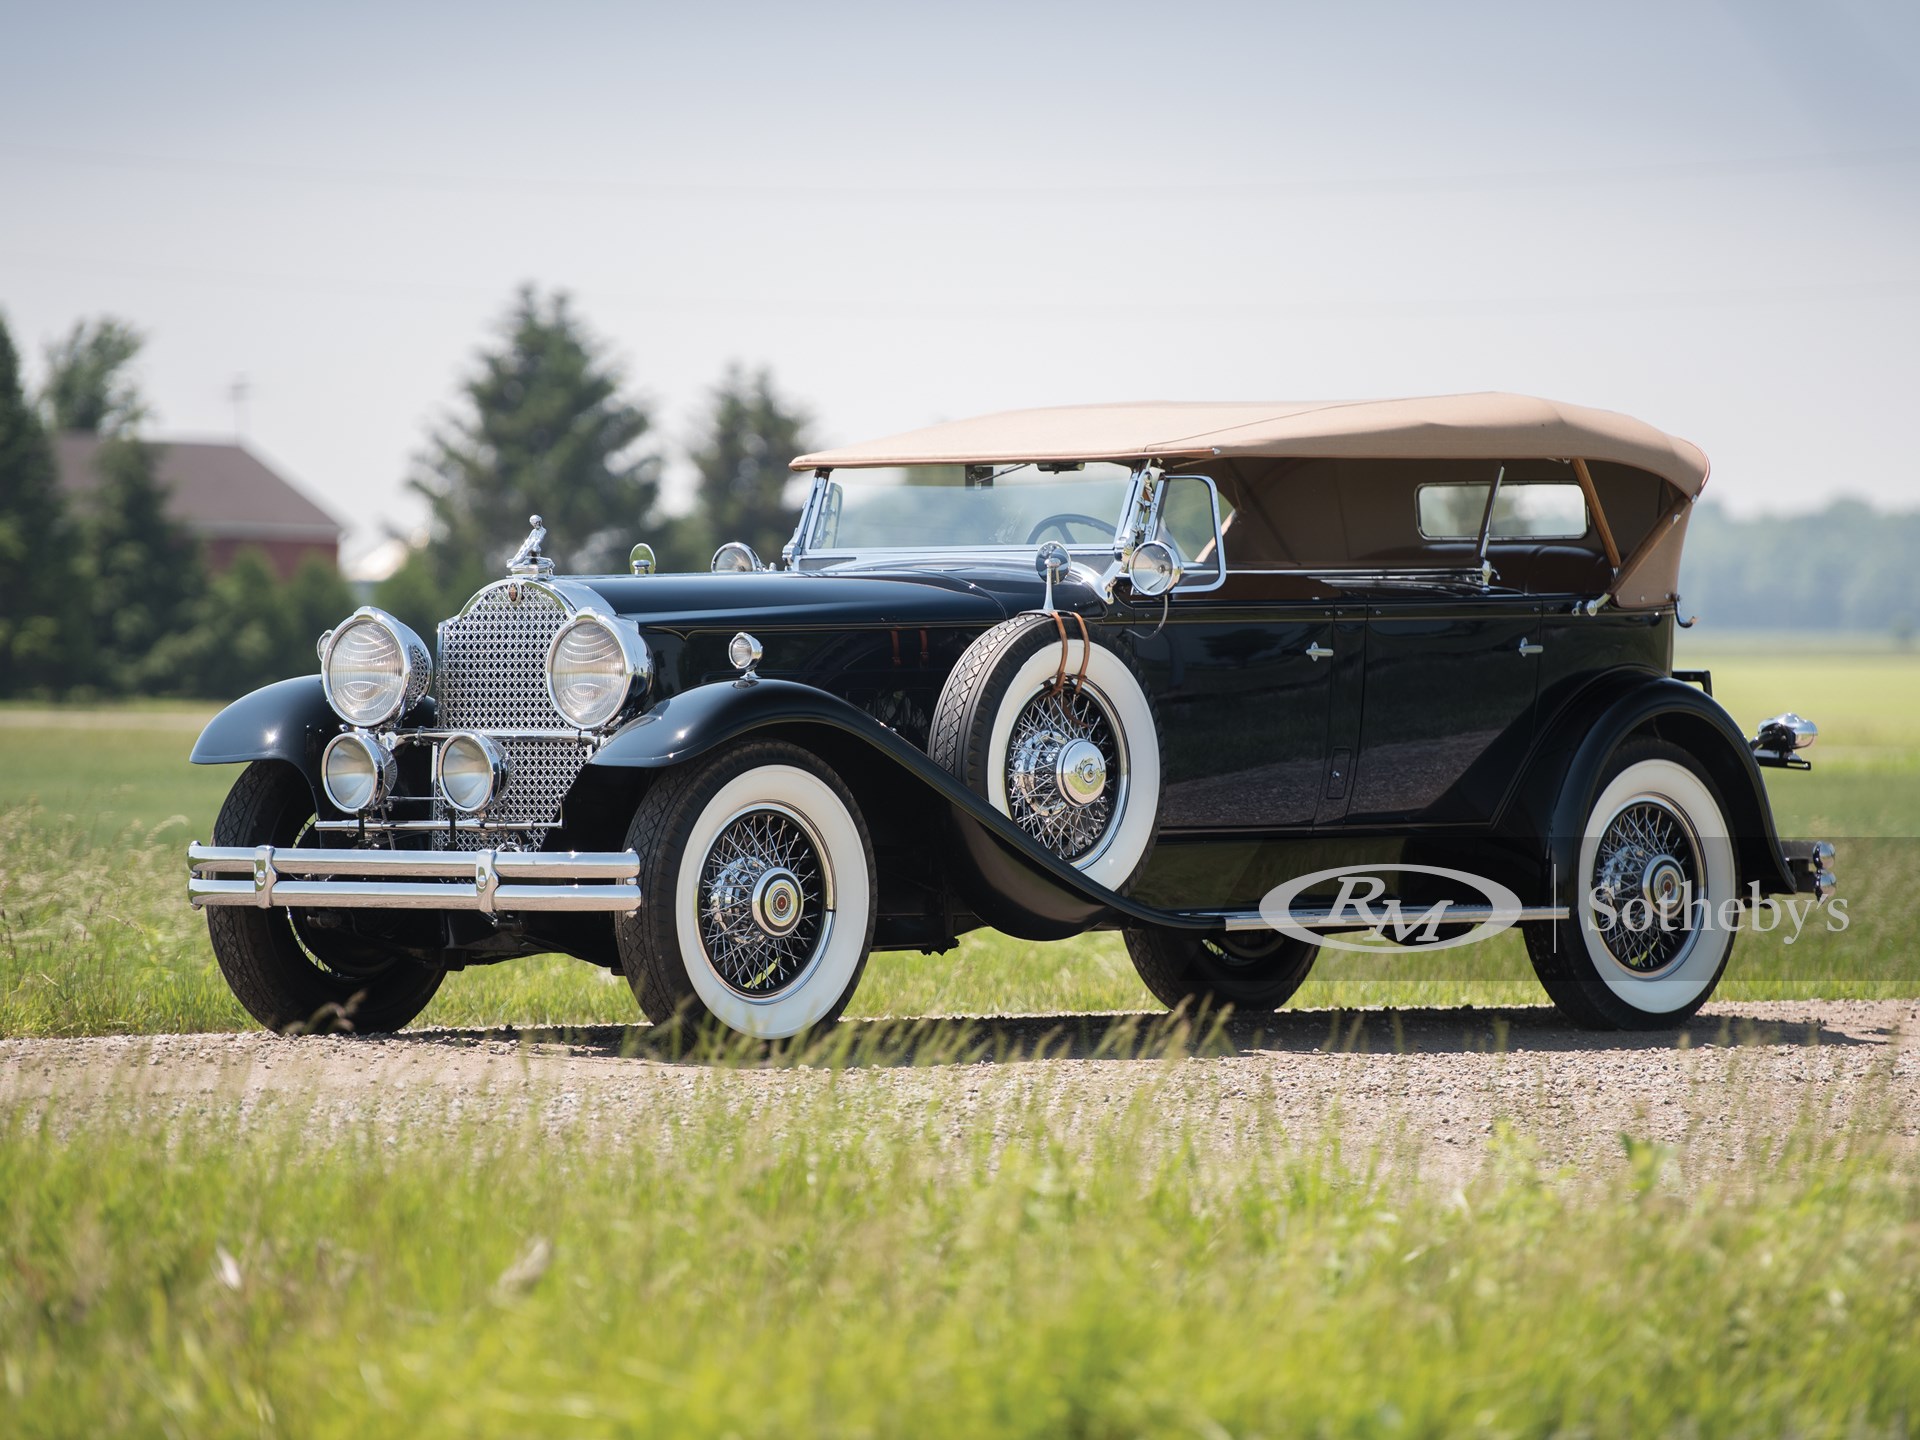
[
  {"x": 1152, "y": 569},
  {"x": 744, "y": 652},
  {"x": 356, "y": 771},
  {"x": 594, "y": 667},
  {"x": 471, "y": 771},
  {"x": 736, "y": 557},
  {"x": 373, "y": 668}
]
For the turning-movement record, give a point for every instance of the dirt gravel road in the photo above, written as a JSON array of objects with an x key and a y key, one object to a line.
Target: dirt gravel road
[{"x": 1432, "y": 1084}]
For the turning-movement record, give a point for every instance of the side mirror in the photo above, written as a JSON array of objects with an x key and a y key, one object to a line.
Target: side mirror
[{"x": 1050, "y": 562}]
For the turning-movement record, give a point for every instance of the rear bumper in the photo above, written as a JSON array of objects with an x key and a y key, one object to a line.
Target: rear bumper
[
  {"x": 1811, "y": 864},
  {"x": 489, "y": 881}
]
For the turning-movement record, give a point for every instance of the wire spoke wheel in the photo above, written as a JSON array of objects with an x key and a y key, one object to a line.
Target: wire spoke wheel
[
  {"x": 1646, "y": 876},
  {"x": 1066, "y": 770},
  {"x": 765, "y": 901}
]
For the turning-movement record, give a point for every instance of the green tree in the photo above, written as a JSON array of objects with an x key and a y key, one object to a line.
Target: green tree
[
  {"x": 143, "y": 577},
  {"x": 88, "y": 387},
  {"x": 746, "y": 490},
  {"x": 42, "y": 629},
  {"x": 544, "y": 430},
  {"x": 238, "y": 639},
  {"x": 418, "y": 594},
  {"x": 316, "y": 599}
]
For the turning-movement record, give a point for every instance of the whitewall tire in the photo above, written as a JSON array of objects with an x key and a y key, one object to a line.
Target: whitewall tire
[
  {"x": 1656, "y": 908},
  {"x": 758, "y": 878},
  {"x": 1075, "y": 765}
]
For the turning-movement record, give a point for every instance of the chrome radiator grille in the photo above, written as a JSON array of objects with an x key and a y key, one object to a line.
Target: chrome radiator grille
[{"x": 492, "y": 678}]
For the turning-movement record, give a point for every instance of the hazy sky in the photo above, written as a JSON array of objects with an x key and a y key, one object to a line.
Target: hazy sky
[{"x": 1704, "y": 214}]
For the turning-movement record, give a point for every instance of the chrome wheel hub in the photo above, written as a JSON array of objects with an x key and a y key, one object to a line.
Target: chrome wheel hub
[
  {"x": 765, "y": 902},
  {"x": 1080, "y": 772},
  {"x": 778, "y": 902},
  {"x": 1663, "y": 884},
  {"x": 1066, "y": 772},
  {"x": 1646, "y": 877}
]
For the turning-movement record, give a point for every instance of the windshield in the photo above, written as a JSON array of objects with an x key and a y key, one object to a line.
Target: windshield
[{"x": 945, "y": 507}]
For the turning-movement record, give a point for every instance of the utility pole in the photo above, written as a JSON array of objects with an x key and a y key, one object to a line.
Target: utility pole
[{"x": 237, "y": 393}]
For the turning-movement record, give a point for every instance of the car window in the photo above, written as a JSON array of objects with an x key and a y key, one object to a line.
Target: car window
[
  {"x": 934, "y": 507},
  {"x": 1187, "y": 520},
  {"x": 1524, "y": 510}
]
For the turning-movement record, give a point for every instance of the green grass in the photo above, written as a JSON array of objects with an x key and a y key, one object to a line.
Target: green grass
[
  {"x": 837, "y": 1266},
  {"x": 856, "y": 1258},
  {"x": 96, "y": 807}
]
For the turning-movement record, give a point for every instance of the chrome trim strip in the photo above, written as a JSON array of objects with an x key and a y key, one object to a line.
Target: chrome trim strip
[
  {"x": 434, "y": 733},
  {"x": 570, "y": 595},
  {"x": 590, "y": 880},
  {"x": 878, "y": 557},
  {"x": 429, "y": 827},
  {"x": 1238, "y": 920}
]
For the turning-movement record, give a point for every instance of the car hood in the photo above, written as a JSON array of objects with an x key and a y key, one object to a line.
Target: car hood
[{"x": 784, "y": 599}]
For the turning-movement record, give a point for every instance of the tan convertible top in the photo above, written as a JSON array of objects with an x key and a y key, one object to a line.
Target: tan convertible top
[{"x": 1490, "y": 425}]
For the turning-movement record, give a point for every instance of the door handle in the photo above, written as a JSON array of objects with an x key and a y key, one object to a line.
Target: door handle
[
  {"x": 1527, "y": 647},
  {"x": 1317, "y": 651}
]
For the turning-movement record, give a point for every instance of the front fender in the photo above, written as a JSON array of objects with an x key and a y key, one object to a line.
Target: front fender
[
  {"x": 1589, "y": 731},
  {"x": 1005, "y": 878},
  {"x": 289, "y": 720}
]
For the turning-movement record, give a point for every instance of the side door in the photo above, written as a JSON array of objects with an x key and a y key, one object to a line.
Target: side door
[
  {"x": 1242, "y": 692},
  {"x": 1447, "y": 708}
]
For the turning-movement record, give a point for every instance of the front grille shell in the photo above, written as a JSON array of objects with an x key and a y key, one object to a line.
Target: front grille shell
[{"x": 492, "y": 679}]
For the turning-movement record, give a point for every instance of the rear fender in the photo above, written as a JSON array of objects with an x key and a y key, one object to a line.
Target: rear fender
[
  {"x": 1565, "y": 775},
  {"x": 1001, "y": 874}
]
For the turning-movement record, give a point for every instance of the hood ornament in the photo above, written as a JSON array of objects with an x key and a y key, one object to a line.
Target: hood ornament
[{"x": 528, "y": 560}]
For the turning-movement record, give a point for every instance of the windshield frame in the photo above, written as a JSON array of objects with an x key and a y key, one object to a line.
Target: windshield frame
[
  {"x": 1099, "y": 563},
  {"x": 798, "y": 551}
]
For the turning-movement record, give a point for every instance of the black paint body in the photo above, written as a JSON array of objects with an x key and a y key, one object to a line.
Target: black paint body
[{"x": 1457, "y": 727}]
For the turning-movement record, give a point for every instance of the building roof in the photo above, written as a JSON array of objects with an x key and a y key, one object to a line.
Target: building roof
[
  {"x": 220, "y": 489},
  {"x": 1490, "y": 426}
]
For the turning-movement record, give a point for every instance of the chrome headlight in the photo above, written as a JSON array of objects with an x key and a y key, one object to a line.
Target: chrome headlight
[
  {"x": 356, "y": 771},
  {"x": 470, "y": 770},
  {"x": 373, "y": 668},
  {"x": 596, "y": 669}
]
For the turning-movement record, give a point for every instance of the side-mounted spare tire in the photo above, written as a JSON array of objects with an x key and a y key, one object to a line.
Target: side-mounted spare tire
[{"x": 1058, "y": 734}]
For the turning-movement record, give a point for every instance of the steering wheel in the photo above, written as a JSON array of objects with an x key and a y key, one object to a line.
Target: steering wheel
[{"x": 1061, "y": 521}]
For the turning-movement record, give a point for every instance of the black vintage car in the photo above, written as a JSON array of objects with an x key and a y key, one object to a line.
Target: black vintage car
[{"x": 1234, "y": 679}]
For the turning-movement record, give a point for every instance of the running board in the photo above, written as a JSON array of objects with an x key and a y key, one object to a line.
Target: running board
[{"x": 1345, "y": 919}]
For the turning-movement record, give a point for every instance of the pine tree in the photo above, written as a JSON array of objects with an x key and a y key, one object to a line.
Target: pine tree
[
  {"x": 88, "y": 388},
  {"x": 143, "y": 579},
  {"x": 316, "y": 599},
  {"x": 746, "y": 490},
  {"x": 546, "y": 431},
  {"x": 42, "y": 635}
]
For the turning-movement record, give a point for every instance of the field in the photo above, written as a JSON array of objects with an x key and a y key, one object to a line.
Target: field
[
  {"x": 96, "y": 809},
  {"x": 1419, "y": 1222},
  {"x": 851, "y": 1262}
]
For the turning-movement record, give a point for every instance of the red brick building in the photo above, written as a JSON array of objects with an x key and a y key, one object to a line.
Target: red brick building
[{"x": 226, "y": 495}]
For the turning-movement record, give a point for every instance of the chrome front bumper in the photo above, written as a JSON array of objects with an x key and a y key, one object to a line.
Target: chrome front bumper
[{"x": 606, "y": 881}]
